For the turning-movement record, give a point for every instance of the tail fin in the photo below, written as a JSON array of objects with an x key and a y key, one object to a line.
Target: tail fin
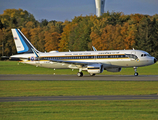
[{"x": 23, "y": 45}]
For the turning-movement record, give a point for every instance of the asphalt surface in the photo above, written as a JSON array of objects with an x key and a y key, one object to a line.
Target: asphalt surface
[
  {"x": 86, "y": 77},
  {"x": 68, "y": 98},
  {"x": 74, "y": 77}
]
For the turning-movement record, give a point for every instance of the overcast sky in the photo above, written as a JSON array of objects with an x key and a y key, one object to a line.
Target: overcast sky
[{"x": 61, "y": 10}]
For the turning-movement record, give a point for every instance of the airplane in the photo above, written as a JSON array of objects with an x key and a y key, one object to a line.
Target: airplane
[{"x": 94, "y": 62}]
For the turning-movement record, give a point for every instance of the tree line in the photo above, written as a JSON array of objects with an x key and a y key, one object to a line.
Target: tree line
[{"x": 108, "y": 32}]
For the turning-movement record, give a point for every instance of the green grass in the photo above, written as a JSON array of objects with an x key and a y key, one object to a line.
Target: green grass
[
  {"x": 80, "y": 110},
  {"x": 12, "y": 67},
  {"x": 77, "y": 88},
  {"x": 77, "y": 110}
]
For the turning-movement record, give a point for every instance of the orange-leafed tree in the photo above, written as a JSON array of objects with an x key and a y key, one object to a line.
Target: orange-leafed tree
[
  {"x": 136, "y": 18},
  {"x": 30, "y": 25},
  {"x": 63, "y": 45},
  {"x": 97, "y": 41},
  {"x": 41, "y": 41},
  {"x": 117, "y": 38},
  {"x": 26, "y": 32},
  {"x": 106, "y": 39},
  {"x": 99, "y": 33},
  {"x": 36, "y": 37},
  {"x": 129, "y": 40},
  {"x": 128, "y": 33},
  {"x": 51, "y": 40},
  {"x": 64, "y": 42}
]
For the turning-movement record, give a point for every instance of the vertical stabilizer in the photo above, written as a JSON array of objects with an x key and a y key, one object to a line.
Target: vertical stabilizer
[{"x": 23, "y": 45}]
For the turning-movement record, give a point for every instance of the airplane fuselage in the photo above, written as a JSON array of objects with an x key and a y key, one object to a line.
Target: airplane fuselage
[{"x": 109, "y": 59}]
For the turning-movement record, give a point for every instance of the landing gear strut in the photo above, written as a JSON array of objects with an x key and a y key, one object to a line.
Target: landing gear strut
[{"x": 135, "y": 69}]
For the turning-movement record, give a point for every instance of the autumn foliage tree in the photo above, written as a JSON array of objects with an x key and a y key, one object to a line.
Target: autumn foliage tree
[
  {"x": 108, "y": 32},
  {"x": 64, "y": 42},
  {"x": 52, "y": 41}
]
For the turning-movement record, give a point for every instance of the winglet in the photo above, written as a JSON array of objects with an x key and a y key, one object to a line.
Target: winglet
[{"x": 94, "y": 48}]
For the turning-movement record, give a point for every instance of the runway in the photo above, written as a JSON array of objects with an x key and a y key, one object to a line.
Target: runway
[
  {"x": 74, "y": 77},
  {"x": 68, "y": 98},
  {"x": 85, "y": 77}
]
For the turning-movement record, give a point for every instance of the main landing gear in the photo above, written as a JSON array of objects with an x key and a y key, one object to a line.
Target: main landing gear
[
  {"x": 135, "y": 69},
  {"x": 79, "y": 74}
]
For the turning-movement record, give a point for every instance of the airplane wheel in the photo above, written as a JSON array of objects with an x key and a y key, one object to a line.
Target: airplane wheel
[
  {"x": 79, "y": 74},
  {"x": 92, "y": 74},
  {"x": 135, "y": 74}
]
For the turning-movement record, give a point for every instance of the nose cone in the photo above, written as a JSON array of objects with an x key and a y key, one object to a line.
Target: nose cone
[{"x": 155, "y": 60}]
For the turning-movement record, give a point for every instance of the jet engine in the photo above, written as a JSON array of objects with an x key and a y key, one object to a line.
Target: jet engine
[
  {"x": 95, "y": 68},
  {"x": 113, "y": 69}
]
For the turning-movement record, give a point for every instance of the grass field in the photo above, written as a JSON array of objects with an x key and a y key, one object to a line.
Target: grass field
[
  {"x": 77, "y": 110},
  {"x": 77, "y": 88},
  {"x": 12, "y": 67},
  {"x": 80, "y": 110}
]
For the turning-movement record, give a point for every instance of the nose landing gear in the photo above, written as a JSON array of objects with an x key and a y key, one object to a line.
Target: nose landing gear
[{"x": 135, "y": 69}]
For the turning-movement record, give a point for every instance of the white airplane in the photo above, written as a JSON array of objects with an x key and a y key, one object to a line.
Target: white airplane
[{"x": 93, "y": 62}]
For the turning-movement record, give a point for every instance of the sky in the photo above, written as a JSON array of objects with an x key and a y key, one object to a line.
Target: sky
[{"x": 61, "y": 10}]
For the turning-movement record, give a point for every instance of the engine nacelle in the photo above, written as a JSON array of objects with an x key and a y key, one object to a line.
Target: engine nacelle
[
  {"x": 113, "y": 69},
  {"x": 95, "y": 68}
]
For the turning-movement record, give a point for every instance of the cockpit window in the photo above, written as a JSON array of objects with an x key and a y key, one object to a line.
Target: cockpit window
[{"x": 143, "y": 55}]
